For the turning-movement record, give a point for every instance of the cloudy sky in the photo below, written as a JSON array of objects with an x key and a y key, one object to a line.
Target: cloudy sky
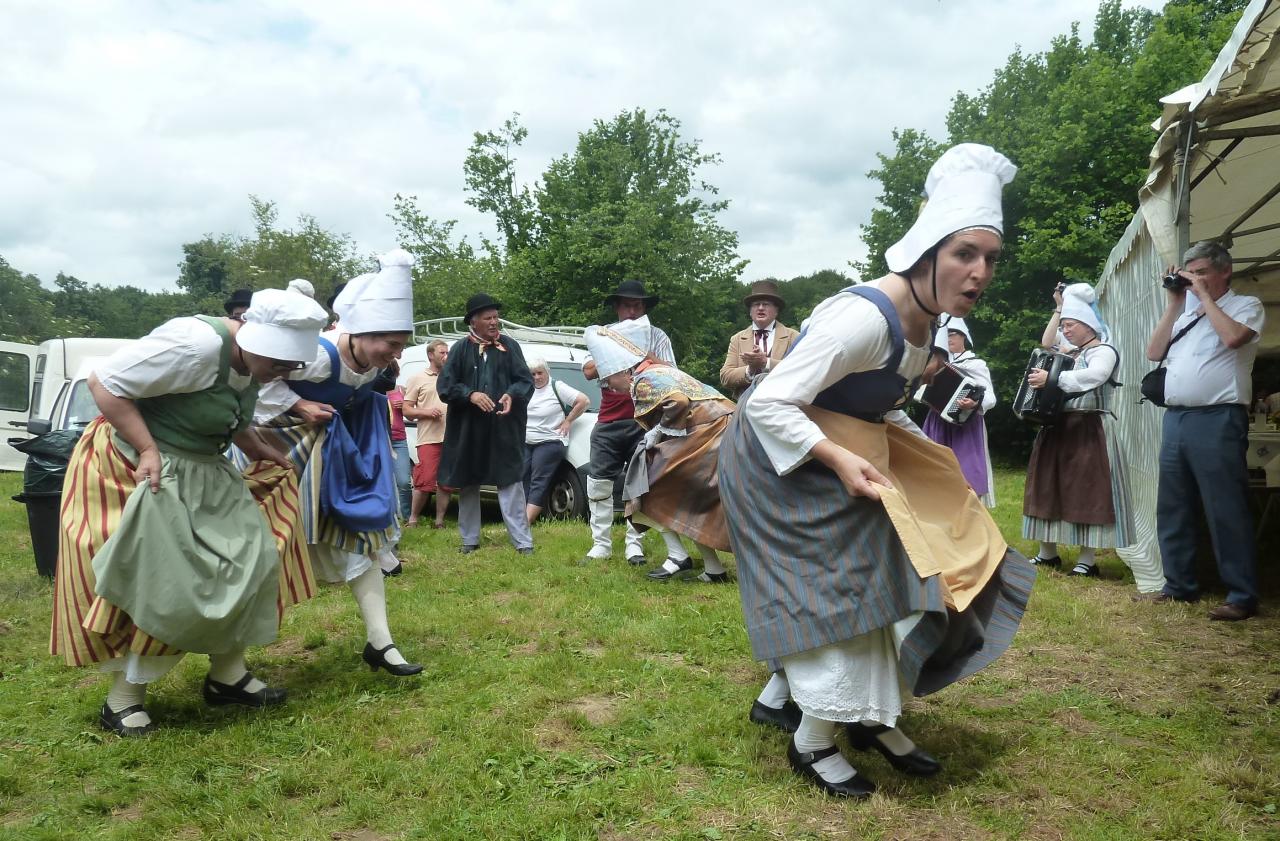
[{"x": 129, "y": 127}]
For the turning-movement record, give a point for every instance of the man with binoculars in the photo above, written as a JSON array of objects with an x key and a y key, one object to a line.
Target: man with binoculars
[{"x": 1207, "y": 338}]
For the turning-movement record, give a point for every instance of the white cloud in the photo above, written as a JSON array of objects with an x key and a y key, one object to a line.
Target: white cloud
[{"x": 132, "y": 127}]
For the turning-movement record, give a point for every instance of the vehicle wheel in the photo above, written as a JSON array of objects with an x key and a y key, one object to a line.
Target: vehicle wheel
[{"x": 568, "y": 497}]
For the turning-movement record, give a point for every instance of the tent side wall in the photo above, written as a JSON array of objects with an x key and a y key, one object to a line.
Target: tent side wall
[{"x": 1131, "y": 300}]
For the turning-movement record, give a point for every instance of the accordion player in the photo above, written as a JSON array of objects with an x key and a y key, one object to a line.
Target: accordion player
[
  {"x": 1042, "y": 406},
  {"x": 950, "y": 385}
]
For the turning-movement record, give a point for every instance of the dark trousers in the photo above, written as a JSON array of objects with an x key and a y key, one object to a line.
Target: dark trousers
[
  {"x": 541, "y": 461},
  {"x": 1202, "y": 467}
]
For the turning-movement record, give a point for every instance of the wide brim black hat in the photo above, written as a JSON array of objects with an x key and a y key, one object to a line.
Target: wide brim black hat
[
  {"x": 480, "y": 301},
  {"x": 239, "y": 298},
  {"x": 632, "y": 289}
]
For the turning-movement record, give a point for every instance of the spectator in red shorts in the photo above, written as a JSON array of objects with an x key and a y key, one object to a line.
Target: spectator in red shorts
[{"x": 423, "y": 404}]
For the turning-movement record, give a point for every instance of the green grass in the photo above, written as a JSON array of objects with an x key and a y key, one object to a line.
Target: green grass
[{"x": 584, "y": 702}]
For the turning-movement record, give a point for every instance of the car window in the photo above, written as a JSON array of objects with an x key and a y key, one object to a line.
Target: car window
[
  {"x": 82, "y": 407},
  {"x": 570, "y": 373},
  {"x": 15, "y": 377}
]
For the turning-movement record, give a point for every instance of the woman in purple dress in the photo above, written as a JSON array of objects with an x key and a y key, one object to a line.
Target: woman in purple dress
[{"x": 967, "y": 440}]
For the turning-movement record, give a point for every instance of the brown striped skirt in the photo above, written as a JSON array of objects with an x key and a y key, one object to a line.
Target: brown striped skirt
[{"x": 87, "y": 628}]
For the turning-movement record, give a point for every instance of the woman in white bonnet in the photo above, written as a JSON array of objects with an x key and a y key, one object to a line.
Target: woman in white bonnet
[
  {"x": 165, "y": 546},
  {"x": 852, "y": 614},
  {"x": 1077, "y": 489}
]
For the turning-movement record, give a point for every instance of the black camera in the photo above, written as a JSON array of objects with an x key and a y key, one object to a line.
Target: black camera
[{"x": 1175, "y": 282}]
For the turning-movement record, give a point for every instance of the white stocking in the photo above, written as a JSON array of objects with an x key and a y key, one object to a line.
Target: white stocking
[
  {"x": 1048, "y": 550},
  {"x": 371, "y": 598},
  {"x": 230, "y": 668},
  {"x": 893, "y": 739},
  {"x": 818, "y": 734},
  {"x": 710, "y": 560},
  {"x": 675, "y": 549},
  {"x": 1086, "y": 556},
  {"x": 124, "y": 694},
  {"x": 776, "y": 691}
]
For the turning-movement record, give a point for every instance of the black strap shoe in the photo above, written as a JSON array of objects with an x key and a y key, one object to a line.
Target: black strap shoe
[
  {"x": 220, "y": 694},
  {"x": 857, "y": 786},
  {"x": 394, "y": 571},
  {"x": 1051, "y": 563},
  {"x": 713, "y": 577},
  {"x": 786, "y": 718},
  {"x": 663, "y": 574},
  {"x": 114, "y": 721},
  {"x": 376, "y": 658},
  {"x": 918, "y": 763},
  {"x": 637, "y": 560}
]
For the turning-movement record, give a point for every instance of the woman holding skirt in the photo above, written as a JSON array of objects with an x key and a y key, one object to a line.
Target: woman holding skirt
[
  {"x": 334, "y": 426},
  {"x": 671, "y": 479},
  {"x": 1077, "y": 488},
  {"x": 868, "y": 570},
  {"x": 165, "y": 547}
]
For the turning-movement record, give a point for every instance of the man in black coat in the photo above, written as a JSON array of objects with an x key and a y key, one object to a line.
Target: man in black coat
[{"x": 486, "y": 385}]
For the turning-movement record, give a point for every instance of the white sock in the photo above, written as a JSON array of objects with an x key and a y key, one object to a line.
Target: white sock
[
  {"x": 710, "y": 560},
  {"x": 776, "y": 691},
  {"x": 230, "y": 668},
  {"x": 123, "y": 695},
  {"x": 387, "y": 560},
  {"x": 670, "y": 566},
  {"x": 1086, "y": 556},
  {"x": 1048, "y": 550},
  {"x": 816, "y": 734},
  {"x": 893, "y": 739},
  {"x": 371, "y": 598},
  {"x": 675, "y": 549}
]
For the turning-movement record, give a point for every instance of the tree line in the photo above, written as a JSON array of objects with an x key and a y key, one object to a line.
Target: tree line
[{"x": 634, "y": 198}]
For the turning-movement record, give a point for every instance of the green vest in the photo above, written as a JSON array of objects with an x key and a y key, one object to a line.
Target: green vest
[{"x": 202, "y": 422}]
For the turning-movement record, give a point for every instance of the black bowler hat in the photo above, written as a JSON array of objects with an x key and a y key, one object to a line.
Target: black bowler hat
[
  {"x": 239, "y": 298},
  {"x": 480, "y": 301},
  {"x": 337, "y": 290},
  {"x": 632, "y": 289}
]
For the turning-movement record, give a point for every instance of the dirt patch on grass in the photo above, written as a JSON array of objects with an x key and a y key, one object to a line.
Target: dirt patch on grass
[
  {"x": 554, "y": 735},
  {"x": 292, "y": 648},
  {"x": 525, "y": 649},
  {"x": 596, "y": 709},
  {"x": 609, "y": 832},
  {"x": 365, "y": 834},
  {"x": 504, "y": 598},
  {"x": 671, "y": 658},
  {"x": 127, "y": 813},
  {"x": 592, "y": 649}
]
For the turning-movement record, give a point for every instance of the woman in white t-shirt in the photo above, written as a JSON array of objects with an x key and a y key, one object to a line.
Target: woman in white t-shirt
[{"x": 552, "y": 410}]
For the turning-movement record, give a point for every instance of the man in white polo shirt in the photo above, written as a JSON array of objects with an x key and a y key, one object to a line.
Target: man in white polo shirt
[{"x": 1211, "y": 339}]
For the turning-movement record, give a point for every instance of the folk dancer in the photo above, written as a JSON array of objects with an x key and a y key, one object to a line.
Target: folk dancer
[
  {"x": 866, "y": 566},
  {"x": 969, "y": 439},
  {"x": 165, "y": 547}
]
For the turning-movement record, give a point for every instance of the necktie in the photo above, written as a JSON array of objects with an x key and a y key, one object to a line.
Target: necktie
[{"x": 762, "y": 341}]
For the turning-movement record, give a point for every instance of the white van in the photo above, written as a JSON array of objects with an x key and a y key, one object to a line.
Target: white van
[
  {"x": 17, "y": 374},
  {"x": 564, "y": 349},
  {"x": 60, "y": 394}
]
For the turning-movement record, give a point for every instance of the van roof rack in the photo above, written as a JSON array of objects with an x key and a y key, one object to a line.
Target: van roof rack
[{"x": 455, "y": 328}]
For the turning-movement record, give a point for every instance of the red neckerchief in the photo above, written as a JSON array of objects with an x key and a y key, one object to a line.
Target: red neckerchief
[{"x": 485, "y": 343}]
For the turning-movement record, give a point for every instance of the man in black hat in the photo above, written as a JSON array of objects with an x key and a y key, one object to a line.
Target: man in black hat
[
  {"x": 237, "y": 303},
  {"x": 616, "y": 434},
  {"x": 486, "y": 385},
  {"x": 757, "y": 349}
]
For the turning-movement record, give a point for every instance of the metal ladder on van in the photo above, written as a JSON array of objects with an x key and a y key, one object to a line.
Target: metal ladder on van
[{"x": 455, "y": 328}]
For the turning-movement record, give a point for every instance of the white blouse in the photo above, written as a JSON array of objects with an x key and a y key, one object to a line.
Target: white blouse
[
  {"x": 276, "y": 398},
  {"x": 545, "y": 413},
  {"x": 181, "y": 356},
  {"x": 846, "y": 334}
]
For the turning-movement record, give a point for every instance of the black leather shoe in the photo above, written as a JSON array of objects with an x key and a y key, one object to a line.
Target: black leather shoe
[
  {"x": 467, "y": 550},
  {"x": 376, "y": 658},
  {"x": 393, "y": 572},
  {"x": 1051, "y": 563},
  {"x": 1085, "y": 571},
  {"x": 637, "y": 560},
  {"x": 661, "y": 573},
  {"x": 918, "y": 763},
  {"x": 114, "y": 721},
  {"x": 712, "y": 577},
  {"x": 856, "y": 786},
  {"x": 220, "y": 694},
  {"x": 786, "y": 719}
]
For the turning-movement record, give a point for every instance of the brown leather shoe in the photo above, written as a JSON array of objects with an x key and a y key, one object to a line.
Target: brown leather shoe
[{"x": 1228, "y": 612}]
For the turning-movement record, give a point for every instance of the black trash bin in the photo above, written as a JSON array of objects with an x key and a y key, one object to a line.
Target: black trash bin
[{"x": 47, "y": 458}]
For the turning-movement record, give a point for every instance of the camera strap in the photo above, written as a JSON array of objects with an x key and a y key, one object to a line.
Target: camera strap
[{"x": 1179, "y": 335}]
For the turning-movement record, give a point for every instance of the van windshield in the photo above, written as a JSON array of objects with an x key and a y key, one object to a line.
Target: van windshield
[{"x": 81, "y": 408}]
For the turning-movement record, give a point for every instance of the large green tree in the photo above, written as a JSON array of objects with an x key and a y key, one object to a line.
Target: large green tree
[
  {"x": 1075, "y": 119},
  {"x": 630, "y": 201}
]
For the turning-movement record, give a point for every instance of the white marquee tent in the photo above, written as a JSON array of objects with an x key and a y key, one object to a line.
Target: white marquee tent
[{"x": 1214, "y": 174}]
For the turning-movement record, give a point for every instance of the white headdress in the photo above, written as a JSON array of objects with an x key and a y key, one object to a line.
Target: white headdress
[
  {"x": 963, "y": 190},
  {"x": 381, "y": 302},
  {"x": 280, "y": 324},
  {"x": 1078, "y": 304},
  {"x": 302, "y": 286},
  {"x": 619, "y": 346}
]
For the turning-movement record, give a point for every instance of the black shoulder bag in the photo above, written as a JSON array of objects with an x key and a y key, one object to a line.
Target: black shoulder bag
[{"x": 1152, "y": 385}]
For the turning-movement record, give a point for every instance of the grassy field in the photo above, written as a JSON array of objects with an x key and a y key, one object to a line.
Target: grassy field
[{"x": 585, "y": 702}]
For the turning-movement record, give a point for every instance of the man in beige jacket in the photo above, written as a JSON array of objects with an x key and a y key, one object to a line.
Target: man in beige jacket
[{"x": 757, "y": 349}]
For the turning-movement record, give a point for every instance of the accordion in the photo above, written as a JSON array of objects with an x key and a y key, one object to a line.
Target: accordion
[
  {"x": 948, "y": 388},
  {"x": 1042, "y": 406}
]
